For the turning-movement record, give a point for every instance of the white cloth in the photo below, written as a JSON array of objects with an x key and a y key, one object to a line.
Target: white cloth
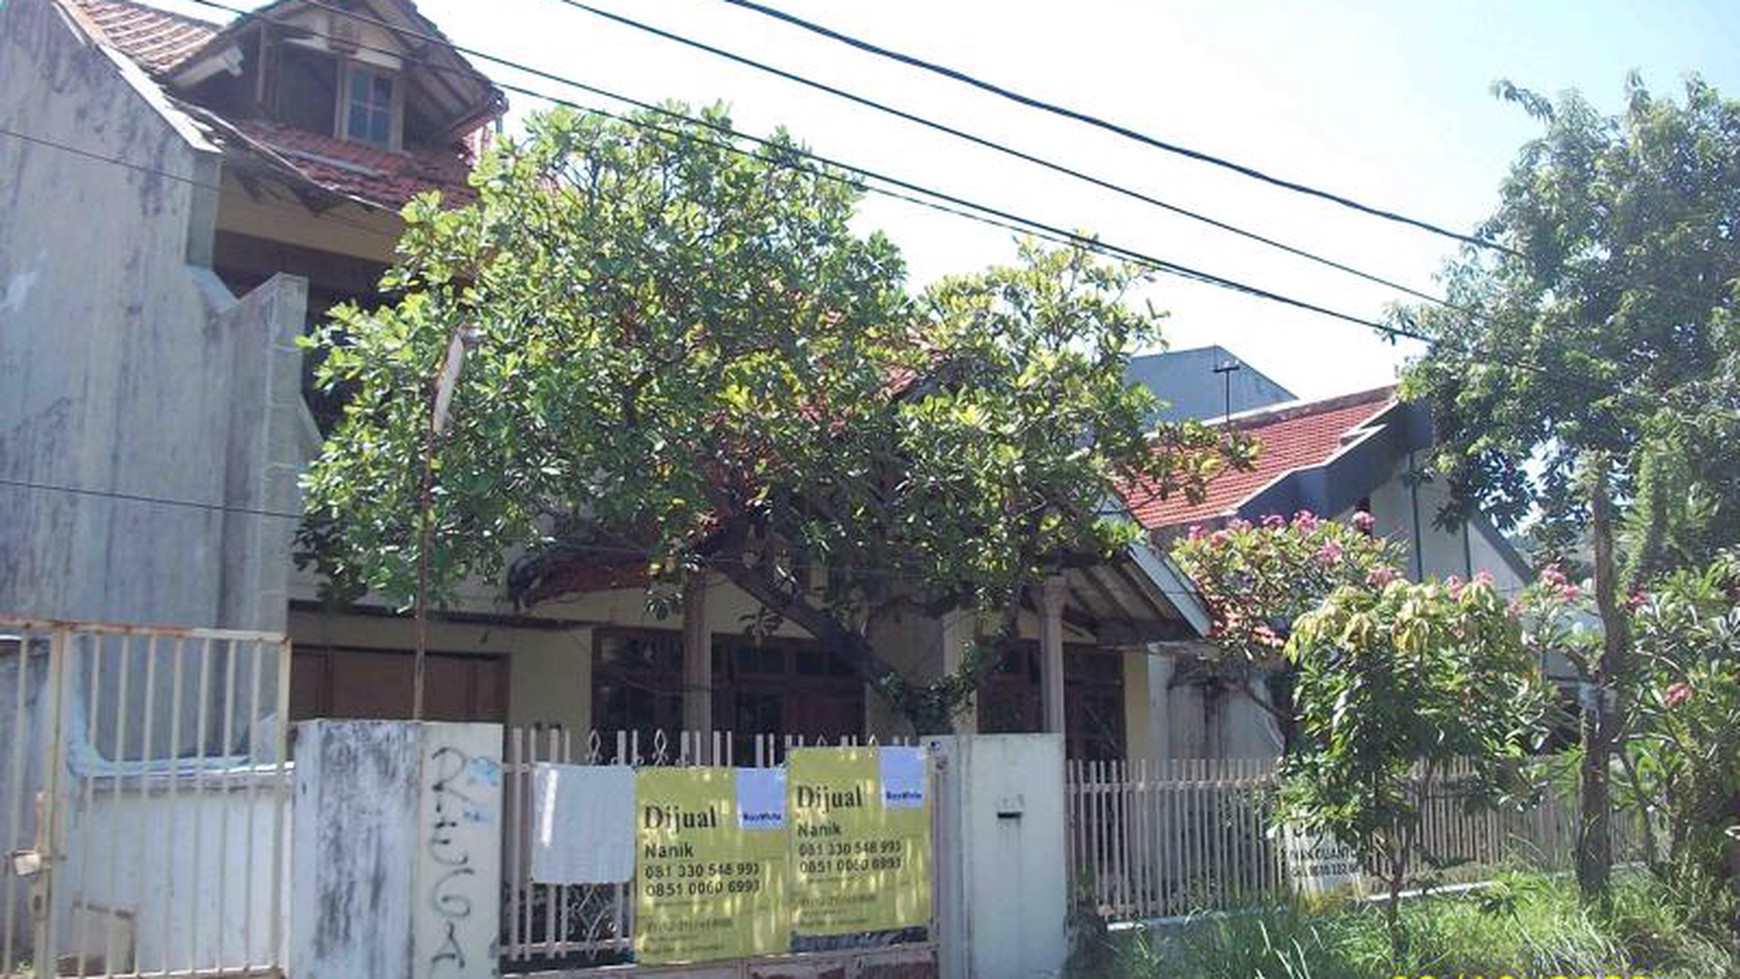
[{"x": 582, "y": 824}]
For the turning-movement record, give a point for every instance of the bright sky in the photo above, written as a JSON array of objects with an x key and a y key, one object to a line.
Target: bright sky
[{"x": 1385, "y": 102}]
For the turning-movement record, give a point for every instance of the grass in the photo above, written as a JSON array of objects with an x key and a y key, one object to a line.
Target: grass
[{"x": 1524, "y": 924}]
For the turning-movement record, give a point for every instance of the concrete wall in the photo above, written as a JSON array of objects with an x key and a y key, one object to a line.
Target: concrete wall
[
  {"x": 397, "y": 850},
  {"x": 1001, "y": 856},
  {"x": 1186, "y": 380},
  {"x": 1407, "y": 514},
  {"x": 125, "y": 366}
]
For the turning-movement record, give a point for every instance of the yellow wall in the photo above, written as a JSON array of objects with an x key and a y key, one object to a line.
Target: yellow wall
[
  {"x": 348, "y": 229},
  {"x": 549, "y": 671}
]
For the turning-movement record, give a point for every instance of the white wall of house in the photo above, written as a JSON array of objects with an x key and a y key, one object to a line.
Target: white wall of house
[
  {"x": 1167, "y": 716},
  {"x": 1407, "y": 514}
]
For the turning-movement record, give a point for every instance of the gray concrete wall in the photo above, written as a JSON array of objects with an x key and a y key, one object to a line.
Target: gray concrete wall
[
  {"x": 125, "y": 366},
  {"x": 396, "y": 850},
  {"x": 1186, "y": 381}
]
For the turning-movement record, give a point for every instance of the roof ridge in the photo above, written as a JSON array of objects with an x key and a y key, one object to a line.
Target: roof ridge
[{"x": 1303, "y": 408}]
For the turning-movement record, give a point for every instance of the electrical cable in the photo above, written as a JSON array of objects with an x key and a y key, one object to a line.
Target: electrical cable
[
  {"x": 1007, "y": 150},
  {"x": 985, "y": 214},
  {"x": 1112, "y": 127},
  {"x": 1022, "y": 224},
  {"x": 605, "y": 549}
]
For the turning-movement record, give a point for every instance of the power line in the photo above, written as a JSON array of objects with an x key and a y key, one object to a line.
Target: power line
[
  {"x": 1112, "y": 127},
  {"x": 1006, "y": 219},
  {"x": 979, "y": 212},
  {"x": 166, "y": 175},
  {"x": 1007, "y": 150}
]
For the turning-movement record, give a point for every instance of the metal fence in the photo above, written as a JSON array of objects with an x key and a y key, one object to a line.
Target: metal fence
[
  {"x": 1153, "y": 840},
  {"x": 144, "y": 789},
  {"x": 578, "y": 925}
]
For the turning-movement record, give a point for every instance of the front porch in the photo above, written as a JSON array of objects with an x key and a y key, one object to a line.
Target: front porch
[{"x": 1095, "y": 661}]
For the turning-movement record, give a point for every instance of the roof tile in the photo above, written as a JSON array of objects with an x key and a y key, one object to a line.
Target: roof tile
[
  {"x": 157, "y": 39},
  {"x": 388, "y": 178},
  {"x": 1288, "y": 438}
]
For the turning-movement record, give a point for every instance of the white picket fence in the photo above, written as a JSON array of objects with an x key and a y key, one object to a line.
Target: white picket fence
[
  {"x": 1159, "y": 839},
  {"x": 571, "y": 925}
]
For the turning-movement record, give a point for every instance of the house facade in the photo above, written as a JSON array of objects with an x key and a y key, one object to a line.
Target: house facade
[
  {"x": 1363, "y": 451},
  {"x": 187, "y": 198}
]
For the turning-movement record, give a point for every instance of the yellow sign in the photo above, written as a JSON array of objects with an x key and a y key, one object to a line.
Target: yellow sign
[
  {"x": 860, "y": 839},
  {"x": 710, "y": 873}
]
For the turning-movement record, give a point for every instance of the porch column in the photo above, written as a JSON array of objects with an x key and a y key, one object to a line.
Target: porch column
[
  {"x": 1051, "y": 598},
  {"x": 697, "y": 656},
  {"x": 1160, "y": 667}
]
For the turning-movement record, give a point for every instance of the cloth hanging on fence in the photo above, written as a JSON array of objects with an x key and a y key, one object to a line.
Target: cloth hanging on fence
[{"x": 582, "y": 824}]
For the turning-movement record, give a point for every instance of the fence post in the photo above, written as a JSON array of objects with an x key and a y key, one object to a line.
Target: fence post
[{"x": 48, "y": 807}]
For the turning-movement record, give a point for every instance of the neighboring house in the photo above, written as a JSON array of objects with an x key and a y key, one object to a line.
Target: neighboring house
[
  {"x": 180, "y": 199},
  {"x": 1205, "y": 383},
  {"x": 1334, "y": 457}
]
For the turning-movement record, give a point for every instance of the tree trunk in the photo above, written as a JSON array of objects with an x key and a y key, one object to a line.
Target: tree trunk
[
  {"x": 1601, "y": 719},
  {"x": 1393, "y": 902},
  {"x": 855, "y": 649}
]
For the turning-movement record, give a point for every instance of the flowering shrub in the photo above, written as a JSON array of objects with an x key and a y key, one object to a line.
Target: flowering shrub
[
  {"x": 1680, "y": 699},
  {"x": 1257, "y": 579},
  {"x": 1683, "y": 753},
  {"x": 1393, "y": 684}
]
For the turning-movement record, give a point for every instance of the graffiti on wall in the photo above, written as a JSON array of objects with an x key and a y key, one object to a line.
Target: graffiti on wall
[{"x": 459, "y": 856}]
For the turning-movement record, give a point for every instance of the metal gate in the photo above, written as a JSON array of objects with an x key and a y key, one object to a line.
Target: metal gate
[{"x": 144, "y": 791}]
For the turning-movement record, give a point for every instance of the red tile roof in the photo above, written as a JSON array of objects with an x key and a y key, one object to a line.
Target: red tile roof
[
  {"x": 1288, "y": 438},
  {"x": 384, "y": 177},
  {"x": 157, "y": 39}
]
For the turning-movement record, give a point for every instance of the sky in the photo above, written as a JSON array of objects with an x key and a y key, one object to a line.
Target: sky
[{"x": 1388, "y": 103}]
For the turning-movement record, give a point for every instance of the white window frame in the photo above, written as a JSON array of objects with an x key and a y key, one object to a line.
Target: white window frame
[{"x": 395, "y": 135}]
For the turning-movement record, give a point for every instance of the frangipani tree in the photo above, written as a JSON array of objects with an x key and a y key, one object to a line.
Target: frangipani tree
[
  {"x": 1588, "y": 374},
  {"x": 1681, "y": 760},
  {"x": 688, "y": 359},
  {"x": 1257, "y": 579}
]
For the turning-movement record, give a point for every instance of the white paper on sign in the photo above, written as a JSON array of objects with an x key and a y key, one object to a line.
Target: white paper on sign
[
  {"x": 582, "y": 824},
  {"x": 903, "y": 777},
  {"x": 761, "y": 798}
]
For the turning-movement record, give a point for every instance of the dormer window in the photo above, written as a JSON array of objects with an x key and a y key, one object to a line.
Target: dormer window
[{"x": 369, "y": 113}]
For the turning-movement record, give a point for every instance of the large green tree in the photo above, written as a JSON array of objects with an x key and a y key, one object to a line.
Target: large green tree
[
  {"x": 1589, "y": 375},
  {"x": 686, "y": 358}
]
